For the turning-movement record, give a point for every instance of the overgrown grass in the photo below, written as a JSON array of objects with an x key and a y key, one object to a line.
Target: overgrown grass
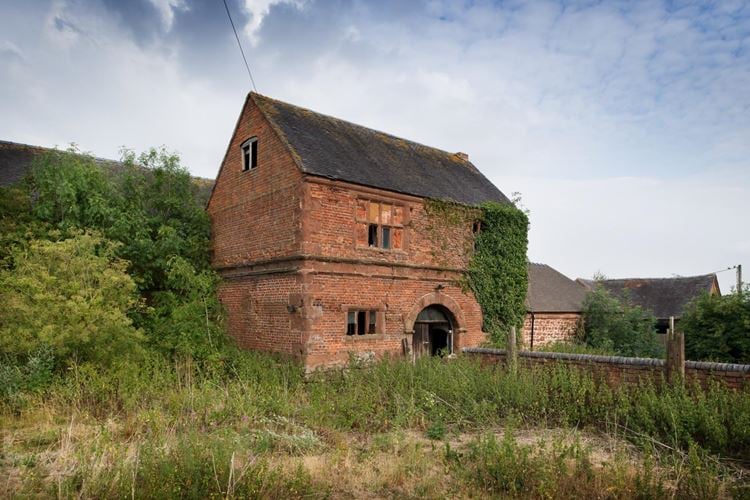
[{"x": 202, "y": 426}]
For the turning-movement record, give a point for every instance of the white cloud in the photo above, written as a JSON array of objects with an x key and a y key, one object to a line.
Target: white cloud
[
  {"x": 166, "y": 8},
  {"x": 10, "y": 50},
  {"x": 258, "y": 10},
  {"x": 626, "y": 128}
]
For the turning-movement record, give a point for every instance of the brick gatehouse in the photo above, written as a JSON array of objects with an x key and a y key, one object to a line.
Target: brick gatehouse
[{"x": 326, "y": 250}]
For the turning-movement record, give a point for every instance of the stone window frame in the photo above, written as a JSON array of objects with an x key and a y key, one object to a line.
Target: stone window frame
[
  {"x": 356, "y": 309},
  {"x": 396, "y": 224}
]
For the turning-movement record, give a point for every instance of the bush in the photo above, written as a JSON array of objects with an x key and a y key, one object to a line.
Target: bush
[
  {"x": 717, "y": 328},
  {"x": 613, "y": 325},
  {"x": 152, "y": 208},
  {"x": 72, "y": 296}
]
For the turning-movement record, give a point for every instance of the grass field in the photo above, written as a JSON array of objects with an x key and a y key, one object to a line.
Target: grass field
[{"x": 253, "y": 426}]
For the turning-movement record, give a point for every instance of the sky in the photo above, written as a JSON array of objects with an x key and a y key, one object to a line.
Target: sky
[{"x": 625, "y": 126}]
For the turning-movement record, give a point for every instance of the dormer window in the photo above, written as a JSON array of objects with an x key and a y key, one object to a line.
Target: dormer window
[{"x": 249, "y": 150}]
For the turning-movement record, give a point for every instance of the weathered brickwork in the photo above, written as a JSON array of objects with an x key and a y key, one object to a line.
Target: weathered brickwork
[
  {"x": 286, "y": 246},
  {"x": 615, "y": 370},
  {"x": 549, "y": 328},
  {"x": 255, "y": 214}
]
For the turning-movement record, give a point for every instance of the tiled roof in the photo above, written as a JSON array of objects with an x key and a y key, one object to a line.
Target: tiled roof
[
  {"x": 664, "y": 297},
  {"x": 16, "y": 160},
  {"x": 328, "y": 147},
  {"x": 552, "y": 291}
]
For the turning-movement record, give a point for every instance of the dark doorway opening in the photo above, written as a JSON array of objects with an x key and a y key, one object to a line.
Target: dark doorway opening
[
  {"x": 433, "y": 332},
  {"x": 438, "y": 341}
]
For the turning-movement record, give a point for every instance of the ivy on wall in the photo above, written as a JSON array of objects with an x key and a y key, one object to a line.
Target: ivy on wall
[{"x": 498, "y": 271}]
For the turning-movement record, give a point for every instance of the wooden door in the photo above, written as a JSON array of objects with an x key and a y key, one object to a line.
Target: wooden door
[{"x": 421, "y": 339}]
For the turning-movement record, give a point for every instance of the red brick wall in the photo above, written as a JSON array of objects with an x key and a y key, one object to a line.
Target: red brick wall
[
  {"x": 257, "y": 314},
  {"x": 550, "y": 328},
  {"x": 335, "y": 288},
  {"x": 330, "y": 228},
  {"x": 255, "y": 215}
]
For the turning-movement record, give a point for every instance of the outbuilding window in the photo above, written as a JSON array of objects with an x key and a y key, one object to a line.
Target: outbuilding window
[{"x": 249, "y": 150}]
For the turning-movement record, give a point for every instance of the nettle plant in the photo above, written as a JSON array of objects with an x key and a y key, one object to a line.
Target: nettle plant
[{"x": 497, "y": 273}]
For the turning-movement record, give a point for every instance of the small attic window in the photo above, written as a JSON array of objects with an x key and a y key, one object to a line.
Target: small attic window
[{"x": 249, "y": 150}]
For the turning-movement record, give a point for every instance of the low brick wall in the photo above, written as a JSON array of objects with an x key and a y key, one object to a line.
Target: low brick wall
[{"x": 617, "y": 370}]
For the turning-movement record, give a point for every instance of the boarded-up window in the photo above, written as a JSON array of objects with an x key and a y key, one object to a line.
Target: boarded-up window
[
  {"x": 361, "y": 210},
  {"x": 361, "y": 234},
  {"x": 385, "y": 214},
  {"x": 398, "y": 238},
  {"x": 374, "y": 213},
  {"x": 398, "y": 216},
  {"x": 383, "y": 227}
]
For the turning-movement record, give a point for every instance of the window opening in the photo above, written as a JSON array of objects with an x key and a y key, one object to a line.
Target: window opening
[
  {"x": 249, "y": 154},
  {"x": 361, "y": 322},
  {"x": 386, "y": 237},
  {"x": 372, "y": 325},
  {"x": 379, "y": 225},
  {"x": 351, "y": 323}
]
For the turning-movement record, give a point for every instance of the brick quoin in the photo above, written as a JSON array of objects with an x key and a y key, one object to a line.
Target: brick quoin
[{"x": 285, "y": 244}]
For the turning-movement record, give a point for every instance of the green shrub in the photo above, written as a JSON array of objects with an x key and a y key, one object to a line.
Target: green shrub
[
  {"x": 717, "y": 328},
  {"x": 151, "y": 206},
  {"x": 72, "y": 296},
  {"x": 614, "y": 325}
]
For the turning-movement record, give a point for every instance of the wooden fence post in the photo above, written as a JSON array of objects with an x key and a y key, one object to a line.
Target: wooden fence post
[
  {"x": 675, "y": 354},
  {"x": 512, "y": 350}
]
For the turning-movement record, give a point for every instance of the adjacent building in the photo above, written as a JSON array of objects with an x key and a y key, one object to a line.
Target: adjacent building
[
  {"x": 554, "y": 305},
  {"x": 663, "y": 297}
]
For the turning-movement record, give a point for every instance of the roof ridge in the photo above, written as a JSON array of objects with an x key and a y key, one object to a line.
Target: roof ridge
[
  {"x": 364, "y": 127},
  {"x": 708, "y": 275}
]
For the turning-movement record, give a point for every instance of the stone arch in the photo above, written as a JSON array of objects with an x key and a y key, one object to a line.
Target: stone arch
[{"x": 431, "y": 299}]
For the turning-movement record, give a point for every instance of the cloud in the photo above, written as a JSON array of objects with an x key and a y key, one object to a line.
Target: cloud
[
  {"x": 167, "y": 9},
  {"x": 258, "y": 10},
  {"x": 10, "y": 52},
  {"x": 620, "y": 122},
  {"x": 638, "y": 226}
]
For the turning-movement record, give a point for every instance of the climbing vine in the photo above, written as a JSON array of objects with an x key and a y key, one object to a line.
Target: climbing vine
[
  {"x": 497, "y": 273},
  {"x": 448, "y": 213},
  {"x": 498, "y": 270}
]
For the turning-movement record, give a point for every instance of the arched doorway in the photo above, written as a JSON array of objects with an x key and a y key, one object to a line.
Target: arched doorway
[{"x": 433, "y": 332}]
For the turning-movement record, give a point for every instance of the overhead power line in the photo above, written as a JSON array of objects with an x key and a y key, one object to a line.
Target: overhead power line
[{"x": 239, "y": 44}]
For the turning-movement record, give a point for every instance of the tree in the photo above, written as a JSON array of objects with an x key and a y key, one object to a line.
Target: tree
[
  {"x": 72, "y": 296},
  {"x": 151, "y": 206},
  {"x": 615, "y": 325},
  {"x": 717, "y": 328}
]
